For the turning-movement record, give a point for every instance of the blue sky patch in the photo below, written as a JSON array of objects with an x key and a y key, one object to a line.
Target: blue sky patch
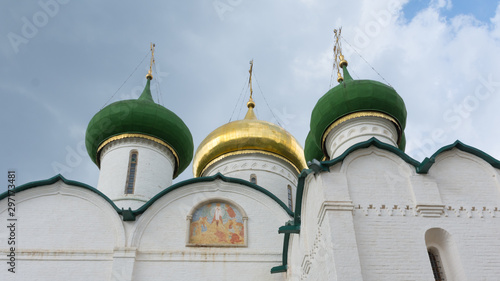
[{"x": 482, "y": 10}]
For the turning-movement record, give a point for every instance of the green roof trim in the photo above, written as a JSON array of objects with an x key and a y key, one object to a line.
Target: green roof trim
[
  {"x": 129, "y": 214},
  {"x": 298, "y": 197},
  {"x": 279, "y": 269},
  {"x": 284, "y": 265},
  {"x": 375, "y": 142},
  {"x": 141, "y": 116},
  {"x": 294, "y": 225},
  {"x": 217, "y": 176},
  {"x": 402, "y": 142},
  {"x": 311, "y": 149},
  {"x": 57, "y": 178},
  {"x": 289, "y": 229},
  {"x": 420, "y": 167},
  {"x": 428, "y": 162}
]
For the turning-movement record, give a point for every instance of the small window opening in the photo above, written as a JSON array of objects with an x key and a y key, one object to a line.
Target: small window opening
[
  {"x": 132, "y": 168},
  {"x": 290, "y": 205},
  {"x": 437, "y": 268},
  {"x": 253, "y": 178}
]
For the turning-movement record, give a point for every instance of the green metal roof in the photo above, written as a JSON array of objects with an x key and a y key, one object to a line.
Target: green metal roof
[
  {"x": 142, "y": 116},
  {"x": 311, "y": 149},
  {"x": 348, "y": 97},
  {"x": 130, "y": 215},
  {"x": 55, "y": 179}
]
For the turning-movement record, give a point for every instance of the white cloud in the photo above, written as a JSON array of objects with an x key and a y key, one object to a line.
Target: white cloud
[
  {"x": 437, "y": 4},
  {"x": 436, "y": 64},
  {"x": 496, "y": 23}
]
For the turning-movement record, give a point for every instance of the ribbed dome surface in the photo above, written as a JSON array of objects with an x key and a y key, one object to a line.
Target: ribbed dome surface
[
  {"x": 141, "y": 116},
  {"x": 248, "y": 135},
  {"x": 352, "y": 96}
]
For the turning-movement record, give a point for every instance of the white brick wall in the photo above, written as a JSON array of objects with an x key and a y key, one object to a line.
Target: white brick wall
[
  {"x": 273, "y": 173},
  {"x": 366, "y": 219},
  {"x": 155, "y": 168},
  {"x": 70, "y": 233},
  {"x": 393, "y": 207}
]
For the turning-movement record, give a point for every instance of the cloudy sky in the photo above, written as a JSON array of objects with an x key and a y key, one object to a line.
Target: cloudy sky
[{"x": 62, "y": 61}]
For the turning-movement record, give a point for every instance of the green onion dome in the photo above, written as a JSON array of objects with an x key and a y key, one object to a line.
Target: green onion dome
[
  {"x": 141, "y": 118},
  {"x": 311, "y": 150},
  {"x": 363, "y": 97}
]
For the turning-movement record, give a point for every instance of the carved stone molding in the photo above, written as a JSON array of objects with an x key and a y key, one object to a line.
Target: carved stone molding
[
  {"x": 430, "y": 211},
  {"x": 333, "y": 206}
]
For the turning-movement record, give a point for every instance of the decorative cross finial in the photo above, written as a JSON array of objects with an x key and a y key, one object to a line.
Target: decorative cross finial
[
  {"x": 250, "y": 78},
  {"x": 250, "y": 102},
  {"x": 150, "y": 73},
  {"x": 338, "y": 58}
]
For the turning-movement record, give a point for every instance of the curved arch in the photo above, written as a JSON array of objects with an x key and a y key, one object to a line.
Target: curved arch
[
  {"x": 93, "y": 208},
  {"x": 181, "y": 201},
  {"x": 218, "y": 201},
  {"x": 217, "y": 176},
  {"x": 480, "y": 161},
  {"x": 442, "y": 242},
  {"x": 420, "y": 168},
  {"x": 372, "y": 167},
  {"x": 428, "y": 162},
  {"x": 375, "y": 142},
  {"x": 396, "y": 159},
  {"x": 57, "y": 178}
]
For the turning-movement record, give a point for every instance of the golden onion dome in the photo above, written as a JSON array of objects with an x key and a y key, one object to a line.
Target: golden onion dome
[{"x": 246, "y": 136}]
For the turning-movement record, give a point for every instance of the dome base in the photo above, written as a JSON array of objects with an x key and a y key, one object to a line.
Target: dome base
[
  {"x": 273, "y": 173},
  {"x": 129, "y": 186},
  {"x": 356, "y": 128}
]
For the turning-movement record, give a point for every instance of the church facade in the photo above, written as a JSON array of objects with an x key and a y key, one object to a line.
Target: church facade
[{"x": 351, "y": 205}]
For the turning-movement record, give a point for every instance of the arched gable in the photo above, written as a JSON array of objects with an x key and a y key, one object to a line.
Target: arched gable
[
  {"x": 466, "y": 180},
  {"x": 217, "y": 222},
  {"x": 165, "y": 222},
  {"x": 377, "y": 177},
  {"x": 58, "y": 214}
]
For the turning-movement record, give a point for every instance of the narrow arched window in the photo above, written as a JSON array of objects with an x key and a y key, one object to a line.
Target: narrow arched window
[
  {"x": 253, "y": 178},
  {"x": 132, "y": 168},
  {"x": 443, "y": 255},
  {"x": 290, "y": 205},
  {"x": 437, "y": 267}
]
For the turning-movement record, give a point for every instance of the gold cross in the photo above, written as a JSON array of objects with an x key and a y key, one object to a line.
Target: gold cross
[
  {"x": 250, "y": 78},
  {"x": 150, "y": 72}
]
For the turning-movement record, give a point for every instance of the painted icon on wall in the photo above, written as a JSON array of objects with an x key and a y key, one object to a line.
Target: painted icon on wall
[{"x": 217, "y": 224}]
